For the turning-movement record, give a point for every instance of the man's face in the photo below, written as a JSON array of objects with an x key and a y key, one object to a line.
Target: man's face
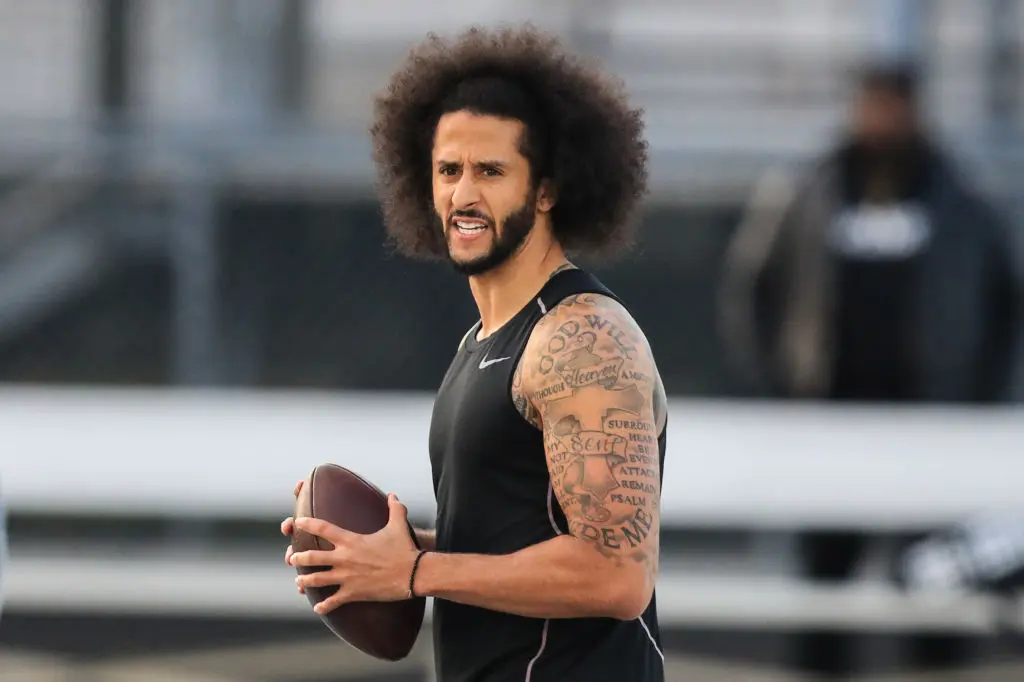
[
  {"x": 883, "y": 120},
  {"x": 483, "y": 193}
]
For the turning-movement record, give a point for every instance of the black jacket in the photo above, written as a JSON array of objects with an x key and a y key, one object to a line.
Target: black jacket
[{"x": 778, "y": 295}]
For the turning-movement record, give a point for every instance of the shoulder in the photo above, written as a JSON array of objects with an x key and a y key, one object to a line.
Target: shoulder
[
  {"x": 584, "y": 321},
  {"x": 587, "y": 341},
  {"x": 777, "y": 193}
]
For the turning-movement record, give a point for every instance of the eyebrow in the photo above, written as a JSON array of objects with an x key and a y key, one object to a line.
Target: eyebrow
[{"x": 487, "y": 163}]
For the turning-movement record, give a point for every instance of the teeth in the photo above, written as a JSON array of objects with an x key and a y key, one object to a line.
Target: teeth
[{"x": 468, "y": 227}]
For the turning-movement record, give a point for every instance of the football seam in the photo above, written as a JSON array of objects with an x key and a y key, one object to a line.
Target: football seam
[
  {"x": 366, "y": 484},
  {"x": 362, "y": 480},
  {"x": 312, "y": 506}
]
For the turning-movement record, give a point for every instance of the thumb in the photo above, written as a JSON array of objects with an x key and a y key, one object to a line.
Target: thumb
[{"x": 399, "y": 514}]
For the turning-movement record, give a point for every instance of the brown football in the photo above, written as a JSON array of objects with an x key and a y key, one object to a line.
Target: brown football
[{"x": 384, "y": 630}]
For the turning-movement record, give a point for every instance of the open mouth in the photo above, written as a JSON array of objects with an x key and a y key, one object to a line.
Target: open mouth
[{"x": 469, "y": 226}]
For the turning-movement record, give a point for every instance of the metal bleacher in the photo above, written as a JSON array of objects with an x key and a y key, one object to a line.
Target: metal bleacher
[{"x": 727, "y": 86}]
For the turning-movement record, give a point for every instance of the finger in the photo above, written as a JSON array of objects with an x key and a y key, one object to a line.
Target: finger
[
  {"x": 318, "y": 579},
  {"x": 287, "y": 526},
  {"x": 323, "y": 529},
  {"x": 399, "y": 515},
  {"x": 298, "y": 487},
  {"x": 314, "y": 557},
  {"x": 331, "y": 603},
  {"x": 288, "y": 555},
  {"x": 301, "y": 590}
]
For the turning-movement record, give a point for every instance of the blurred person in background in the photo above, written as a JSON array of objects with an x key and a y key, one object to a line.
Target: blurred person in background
[{"x": 876, "y": 274}]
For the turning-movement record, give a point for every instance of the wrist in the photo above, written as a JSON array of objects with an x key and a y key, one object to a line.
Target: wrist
[{"x": 413, "y": 588}]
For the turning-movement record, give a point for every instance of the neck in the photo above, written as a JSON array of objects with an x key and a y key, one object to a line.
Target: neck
[
  {"x": 503, "y": 292},
  {"x": 886, "y": 173}
]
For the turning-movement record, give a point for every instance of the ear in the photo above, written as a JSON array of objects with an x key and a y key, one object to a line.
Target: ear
[{"x": 546, "y": 198}]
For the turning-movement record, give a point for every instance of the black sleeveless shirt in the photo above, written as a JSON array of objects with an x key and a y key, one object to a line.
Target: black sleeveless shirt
[{"x": 493, "y": 495}]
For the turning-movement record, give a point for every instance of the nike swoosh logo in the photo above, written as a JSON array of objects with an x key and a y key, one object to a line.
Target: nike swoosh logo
[{"x": 485, "y": 363}]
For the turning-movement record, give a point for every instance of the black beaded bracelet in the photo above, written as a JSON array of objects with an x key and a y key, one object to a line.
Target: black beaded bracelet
[{"x": 412, "y": 577}]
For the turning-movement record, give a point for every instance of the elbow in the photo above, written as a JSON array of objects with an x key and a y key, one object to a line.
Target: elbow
[{"x": 633, "y": 599}]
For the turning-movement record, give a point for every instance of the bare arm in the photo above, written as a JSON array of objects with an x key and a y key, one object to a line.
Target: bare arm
[
  {"x": 589, "y": 381},
  {"x": 426, "y": 539},
  {"x": 554, "y": 579}
]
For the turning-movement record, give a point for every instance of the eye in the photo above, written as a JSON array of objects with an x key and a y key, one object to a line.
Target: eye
[
  {"x": 490, "y": 172},
  {"x": 448, "y": 170}
]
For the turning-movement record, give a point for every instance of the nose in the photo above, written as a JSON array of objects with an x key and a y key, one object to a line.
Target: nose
[{"x": 466, "y": 193}]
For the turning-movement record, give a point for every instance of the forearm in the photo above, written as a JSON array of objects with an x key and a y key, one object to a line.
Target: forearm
[
  {"x": 560, "y": 578},
  {"x": 426, "y": 539}
]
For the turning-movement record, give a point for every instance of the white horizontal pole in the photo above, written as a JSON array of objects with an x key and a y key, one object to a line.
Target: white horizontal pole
[
  {"x": 754, "y": 465},
  {"x": 167, "y": 584}
]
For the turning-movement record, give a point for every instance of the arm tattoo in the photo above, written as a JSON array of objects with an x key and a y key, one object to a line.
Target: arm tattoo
[
  {"x": 521, "y": 401},
  {"x": 589, "y": 381}
]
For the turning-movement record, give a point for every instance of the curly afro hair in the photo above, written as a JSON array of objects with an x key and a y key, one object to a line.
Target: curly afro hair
[{"x": 580, "y": 134}]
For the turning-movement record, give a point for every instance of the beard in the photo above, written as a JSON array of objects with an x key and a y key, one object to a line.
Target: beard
[{"x": 514, "y": 230}]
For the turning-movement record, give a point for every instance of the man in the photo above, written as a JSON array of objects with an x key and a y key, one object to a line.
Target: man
[
  {"x": 876, "y": 275},
  {"x": 500, "y": 153}
]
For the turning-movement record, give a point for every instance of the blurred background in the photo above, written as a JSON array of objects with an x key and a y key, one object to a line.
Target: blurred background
[{"x": 197, "y": 307}]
